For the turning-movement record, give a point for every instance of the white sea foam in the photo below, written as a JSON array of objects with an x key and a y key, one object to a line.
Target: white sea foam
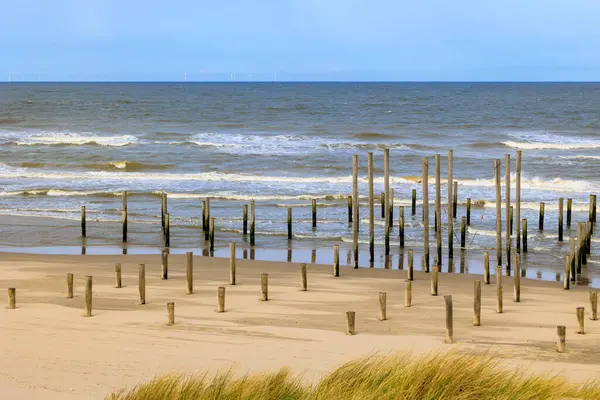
[
  {"x": 68, "y": 138},
  {"x": 549, "y": 141}
]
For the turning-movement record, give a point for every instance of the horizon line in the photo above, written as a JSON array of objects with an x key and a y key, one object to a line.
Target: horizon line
[{"x": 299, "y": 81}]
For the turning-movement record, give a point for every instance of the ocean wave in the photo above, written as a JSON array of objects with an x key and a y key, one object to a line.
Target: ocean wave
[
  {"x": 66, "y": 139},
  {"x": 551, "y": 146},
  {"x": 535, "y": 183},
  {"x": 370, "y": 135},
  {"x": 543, "y": 140},
  {"x": 59, "y": 192},
  {"x": 248, "y": 197},
  {"x": 129, "y": 166}
]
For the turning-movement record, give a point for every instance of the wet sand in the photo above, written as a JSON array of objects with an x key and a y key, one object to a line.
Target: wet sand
[{"x": 51, "y": 351}]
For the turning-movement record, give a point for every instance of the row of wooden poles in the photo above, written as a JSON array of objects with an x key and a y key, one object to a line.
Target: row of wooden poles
[
  {"x": 584, "y": 230},
  {"x": 350, "y": 315}
]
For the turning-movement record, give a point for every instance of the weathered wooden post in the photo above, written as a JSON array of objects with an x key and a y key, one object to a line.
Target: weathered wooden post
[
  {"x": 350, "y": 319},
  {"x": 594, "y": 305},
  {"x": 232, "y": 263},
  {"x": 541, "y": 223},
  {"x": 569, "y": 211},
  {"x": 561, "y": 332},
  {"x": 88, "y": 297},
  {"x": 468, "y": 211},
  {"x": 512, "y": 209},
  {"x": 499, "y": 289},
  {"x": 591, "y": 209},
  {"x": 83, "y": 227},
  {"x": 304, "y": 286},
  {"x": 371, "y": 208},
  {"x": 572, "y": 259},
  {"x": 401, "y": 225},
  {"x": 580, "y": 320},
  {"x": 350, "y": 208},
  {"x": 118, "y": 283},
  {"x": 164, "y": 256},
  {"x": 588, "y": 237},
  {"x": 142, "y": 283},
  {"x": 498, "y": 214},
  {"x": 189, "y": 272},
  {"x": 124, "y": 225},
  {"x": 486, "y": 267},
  {"x": 438, "y": 210},
  {"x": 518, "y": 200},
  {"x": 560, "y": 219},
  {"x": 167, "y": 231},
  {"x": 567, "y": 272},
  {"x": 221, "y": 299},
  {"x": 314, "y": 213},
  {"x": 407, "y": 293},
  {"x": 69, "y": 286},
  {"x": 382, "y": 201},
  {"x": 211, "y": 234},
  {"x": 264, "y": 287},
  {"x": 170, "y": 313},
  {"x": 355, "y": 208},
  {"x": 449, "y": 319},
  {"x": 507, "y": 212},
  {"x": 391, "y": 207},
  {"x": 252, "y": 222},
  {"x": 413, "y": 202},
  {"x": 382, "y": 306},
  {"x": 289, "y": 223},
  {"x": 12, "y": 298},
  {"x": 386, "y": 185},
  {"x": 409, "y": 270},
  {"x": 425, "y": 165},
  {"x": 207, "y": 216},
  {"x": 463, "y": 232},
  {"x": 517, "y": 280},
  {"x": 477, "y": 303},
  {"x": 450, "y": 212},
  {"x": 163, "y": 210},
  {"x": 434, "y": 280},
  {"x": 336, "y": 260},
  {"x": 124, "y": 201},
  {"x": 524, "y": 223},
  {"x": 455, "y": 199},
  {"x": 245, "y": 220}
]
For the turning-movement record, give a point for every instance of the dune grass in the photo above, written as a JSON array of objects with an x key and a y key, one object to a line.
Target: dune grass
[{"x": 401, "y": 377}]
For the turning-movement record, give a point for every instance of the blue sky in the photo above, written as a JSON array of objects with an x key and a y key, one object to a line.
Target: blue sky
[{"x": 300, "y": 40}]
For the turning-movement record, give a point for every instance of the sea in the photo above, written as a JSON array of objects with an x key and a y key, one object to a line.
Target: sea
[{"x": 66, "y": 145}]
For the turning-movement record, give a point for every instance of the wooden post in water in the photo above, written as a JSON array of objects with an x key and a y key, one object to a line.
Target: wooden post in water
[
  {"x": 541, "y": 223},
  {"x": 438, "y": 210},
  {"x": 167, "y": 231},
  {"x": 124, "y": 225},
  {"x": 560, "y": 219},
  {"x": 517, "y": 280},
  {"x": 118, "y": 283},
  {"x": 407, "y": 293},
  {"x": 449, "y": 319},
  {"x": 425, "y": 165},
  {"x": 211, "y": 234},
  {"x": 350, "y": 208},
  {"x": 142, "y": 283},
  {"x": 355, "y": 208},
  {"x": 189, "y": 272},
  {"x": 69, "y": 286},
  {"x": 207, "y": 229},
  {"x": 524, "y": 223},
  {"x": 413, "y": 202},
  {"x": 386, "y": 185},
  {"x": 468, "y": 211},
  {"x": 170, "y": 313},
  {"x": 507, "y": 212},
  {"x": 477, "y": 303},
  {"x": 567, "y": 272},
  {"x": 580, "y": 320},
  {"x": 401, "y": 225},
  {"x": 221, "y": 299},
  {"x": 561, "y": 332},
  {"x": 486, "y": 267},
  {"x": 314, "y": 213},
  {"x": 88, "y": 297},
  {"x": 163, "y": 210},
  {"x": 572, "y": 259},
  {"x": 232, "y": 263},
  {"x": 289, "y": 223},
  {"x": 164, "y": 260},
  {"x": 463, "y": 232},
  {"x": 382, "y": 306},
  {"x": 264, "y": 287},
  {"x": 351, "y": 320},
  {"x": 336, "y": 260},
  {"x": 252, "y": 222},
  {"x": 382, "y": 201},
  {"x": 245, "y": 220},
  {"x": 499, "y": 289},
  {"x": 391, "y": 209},
  {"x": 512, "y": 209},
  {"x": 304, "y": 286},
  {"x": 450, "y": 229},
  {"x": 569, "y": 209},
  {"x": 588, "y": 237},
  {"x": 455, "y": 199},
  {"x": 594, "y": 305},
  {"x": 518, "y": 200},
  {"x": 591, "y": 209},
  {"x": 12, "y": 298},
  {"x": 409, "y": 270},
  {"x": 498, "y": 214},
  {"x": 83, "y": 227},
  {"x": 204, "y": 220},
  {"x": 434, "y": 280}
]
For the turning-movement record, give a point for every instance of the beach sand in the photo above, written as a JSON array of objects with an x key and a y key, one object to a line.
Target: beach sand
[{"x": 50, "y": 351}]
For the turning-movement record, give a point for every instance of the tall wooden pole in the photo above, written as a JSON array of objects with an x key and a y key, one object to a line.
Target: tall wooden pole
[
  {"x": 518, "y": 201},
  {"x": 450, "y": 229},
  {"x": 508, "y": 219},
  {"x": 355, "y": 207},
  {"x": 371, "y": 209},
  {"x": 425, "y": 163},
  {"x": 498, "y": 214},
  {"x": 438, "y": 209},
  {"x": 386, "y": 184}
]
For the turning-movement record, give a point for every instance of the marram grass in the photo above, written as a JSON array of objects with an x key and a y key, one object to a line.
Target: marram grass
[{"x": 444, "y": 377}]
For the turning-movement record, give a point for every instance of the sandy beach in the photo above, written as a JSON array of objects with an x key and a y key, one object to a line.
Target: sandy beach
[{"x": 51, "y": 351}]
